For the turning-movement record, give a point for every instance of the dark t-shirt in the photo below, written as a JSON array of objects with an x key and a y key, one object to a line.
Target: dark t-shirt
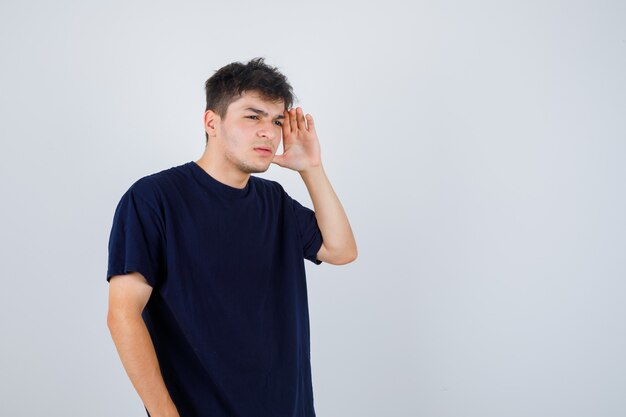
[{"x": 228, "y": 314}]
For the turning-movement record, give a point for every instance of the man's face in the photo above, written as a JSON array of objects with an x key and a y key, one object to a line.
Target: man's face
[{"x": 251, "y": 123}]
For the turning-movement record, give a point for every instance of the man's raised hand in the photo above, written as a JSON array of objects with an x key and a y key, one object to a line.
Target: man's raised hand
[{"x": 301, "y": 148}]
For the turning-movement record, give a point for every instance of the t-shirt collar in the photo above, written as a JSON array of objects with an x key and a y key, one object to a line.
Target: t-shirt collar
[{"x": 231, "y": 193}]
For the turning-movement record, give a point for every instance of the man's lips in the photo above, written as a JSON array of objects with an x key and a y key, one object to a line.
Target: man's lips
[{"x": 263, "y": 151}]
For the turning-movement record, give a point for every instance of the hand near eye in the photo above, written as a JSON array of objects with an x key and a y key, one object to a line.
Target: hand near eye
[{"x": 301, "y": 148}]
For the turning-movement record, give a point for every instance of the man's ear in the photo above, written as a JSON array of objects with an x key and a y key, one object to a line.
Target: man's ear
[{"x": 211, "y": 120}]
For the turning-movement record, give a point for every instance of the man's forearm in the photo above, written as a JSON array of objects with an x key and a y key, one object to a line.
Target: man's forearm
[
  {"x": 138, "y": 356},
  {"x": 329, "y": 213}
]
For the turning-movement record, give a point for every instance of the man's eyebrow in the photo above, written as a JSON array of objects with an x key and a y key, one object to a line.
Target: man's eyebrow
[{"x": 264, "y": 113}]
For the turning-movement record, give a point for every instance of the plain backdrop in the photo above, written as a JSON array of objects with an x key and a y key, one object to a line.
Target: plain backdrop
[{"x": 478, "y": 148}]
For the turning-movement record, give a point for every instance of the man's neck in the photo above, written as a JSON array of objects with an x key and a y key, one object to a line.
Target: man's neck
[{"x": 221, "y": 173}]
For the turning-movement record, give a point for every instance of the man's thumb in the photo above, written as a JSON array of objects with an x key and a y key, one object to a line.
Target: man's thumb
[{"x": 279, "y": 160}]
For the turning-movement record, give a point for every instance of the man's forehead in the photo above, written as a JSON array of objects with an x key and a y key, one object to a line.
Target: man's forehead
[{"x": 257, "y": 101}]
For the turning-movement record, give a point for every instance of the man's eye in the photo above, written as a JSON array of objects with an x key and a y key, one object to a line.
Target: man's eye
[{"x": 255, "y": 117}]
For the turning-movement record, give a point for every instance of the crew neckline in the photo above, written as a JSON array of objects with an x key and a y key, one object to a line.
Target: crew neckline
[{"x": 225, "y": 190}]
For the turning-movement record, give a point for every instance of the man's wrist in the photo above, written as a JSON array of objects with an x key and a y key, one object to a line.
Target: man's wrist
[
  {"x": 312, "y": 170},
  {"x": 167, "y": 409}
]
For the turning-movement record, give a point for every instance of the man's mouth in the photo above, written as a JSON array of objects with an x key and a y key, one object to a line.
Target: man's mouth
[{"x": 263, "y": 151}]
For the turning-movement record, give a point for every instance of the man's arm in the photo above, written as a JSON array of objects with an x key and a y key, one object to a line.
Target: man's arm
[
  {"x": 339, "y": 245},
  {"x": 128, "y": 295},
  {"x": 302, "y": 153}
]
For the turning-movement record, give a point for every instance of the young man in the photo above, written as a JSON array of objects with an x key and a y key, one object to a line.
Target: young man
[{"x": 207, "y": 290}]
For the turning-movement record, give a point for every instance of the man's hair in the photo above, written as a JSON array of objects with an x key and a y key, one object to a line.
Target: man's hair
[{"x": 229, "y": 82}]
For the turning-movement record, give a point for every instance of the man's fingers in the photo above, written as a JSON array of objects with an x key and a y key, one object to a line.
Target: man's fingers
[
  {"x": 300, "y": 117},
  {"x": 296, "y": 120},
  {"x": 310, "y": 124},
  {"x": 286, "y": 123},
  {"x": 292, "y": 120}
]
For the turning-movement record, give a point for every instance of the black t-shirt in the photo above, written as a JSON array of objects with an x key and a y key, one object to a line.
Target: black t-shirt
[{"x": 228, "y": 314}]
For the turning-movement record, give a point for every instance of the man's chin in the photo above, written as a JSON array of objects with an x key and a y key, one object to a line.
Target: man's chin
[{"x": 257, "y": 170}]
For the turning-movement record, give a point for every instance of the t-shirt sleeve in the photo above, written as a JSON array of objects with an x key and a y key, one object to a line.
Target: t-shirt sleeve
[
  {"x": 136, "y": 242},
  {"x": 309, "y": 231}
]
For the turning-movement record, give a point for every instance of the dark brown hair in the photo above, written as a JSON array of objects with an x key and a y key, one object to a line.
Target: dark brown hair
[{"x": 229, "y": 82}]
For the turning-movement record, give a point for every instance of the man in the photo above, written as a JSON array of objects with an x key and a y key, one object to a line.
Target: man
[{"x": 207, "y": 291}]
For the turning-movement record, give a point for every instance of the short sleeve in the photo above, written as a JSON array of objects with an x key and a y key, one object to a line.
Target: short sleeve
[
  {"x": 136, "y": 242},
  {"x": 309, "y": 231}
]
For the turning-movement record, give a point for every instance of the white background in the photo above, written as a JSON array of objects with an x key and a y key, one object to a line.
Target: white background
[{"x": 477, "y": 147}]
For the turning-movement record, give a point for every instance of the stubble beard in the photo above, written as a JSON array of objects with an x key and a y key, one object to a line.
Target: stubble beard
[{"x": 245, "y": 165}]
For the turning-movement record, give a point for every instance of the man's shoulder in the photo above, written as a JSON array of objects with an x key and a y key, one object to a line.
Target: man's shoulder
[{"x": 152, "y": 187}]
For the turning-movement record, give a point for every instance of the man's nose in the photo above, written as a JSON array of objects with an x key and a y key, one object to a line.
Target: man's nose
[{"x": 268, "y": 130}]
